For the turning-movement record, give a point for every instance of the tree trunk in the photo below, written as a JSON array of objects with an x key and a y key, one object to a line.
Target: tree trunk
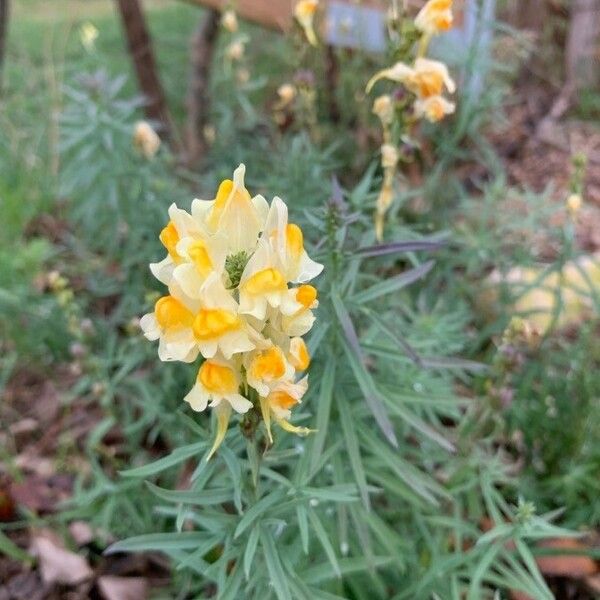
[
  {"x": 3, "y": 33},
  {"x": 582, "y": 60},
  {"x": 198, "y": 98},
  {"x": 140, "y": 50}
]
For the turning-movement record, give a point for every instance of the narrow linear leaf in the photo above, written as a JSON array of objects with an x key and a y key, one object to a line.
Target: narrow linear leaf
[
  {"x": 348, "y": 566},
  {"x": 274, "y": 566},
  {"x": 250, "y": 550},
  {"x": 302, "y": 515},
  {"x": 363, "y": 378},
  {"x": 193, "y": 497},
  {"x": 256, "y": 511},
  {"x": 323, "y": 412},
  {"x": 159, "y": 541},
  {"x": 176, "y": 457},
  {"x": 324, "y": 540},
  {"x": 398, "y": 247},
  {"x": 10, "y": 549},
  {"x": 393, "y": 284},
  {"x": 354, "y": 451}
]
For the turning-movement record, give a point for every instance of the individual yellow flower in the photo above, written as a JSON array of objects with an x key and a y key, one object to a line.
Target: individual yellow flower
[
  {"x": 198, "y": 257},
  {"x": 287, "y": 93},
  {"x": 229, "y": 21},
  {"x": 145, "y": 139},
  {"x": 278, "y": 404},
  {"x": 263, "y": 282},
  {"x": 304, "y": 12},
  {"x": 383, "y": 107},
  {"x": 425, "y": 79},
  {"x": 267, "y": 368},
  {"x": 180, "y": 225},
  {"x": 435, "y": 17},
  {"x": 235, "y": 51},
  {"x": 217, "y": 326},
  {"x": 88, "y": 34},
  {"x": 300, "y": 321},
  {"x": 434, "y": 108},
  {"x": 218, "y": 382},
  {"x": 171, "y": 324},
  {"x": 233, "y": 213},
  {"x": 574, "y": 203},
  {"x": 287, "y": 240}
]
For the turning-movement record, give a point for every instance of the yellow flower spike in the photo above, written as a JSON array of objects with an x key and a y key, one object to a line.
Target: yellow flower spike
[
  {"x": 223, "y": 412},
  {"x": 265, "y": 410},
  {"x": 304, "y": 12},
  {"x": 237, "y": 275},
  {"x": 435, "y": 17}
]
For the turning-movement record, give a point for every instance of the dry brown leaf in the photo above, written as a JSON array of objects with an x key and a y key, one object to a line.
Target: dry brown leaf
[
  {"x": 566, "y": 565},
  {"x": 123, "y": 588},
  {"x": 81, "y": 532},
  {"x": 58, "y": 565}
]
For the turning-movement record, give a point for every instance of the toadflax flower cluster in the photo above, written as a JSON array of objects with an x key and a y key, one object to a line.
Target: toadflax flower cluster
[
  {"x": 427, "y": 81},
  {"x": 238, "y": 296}
]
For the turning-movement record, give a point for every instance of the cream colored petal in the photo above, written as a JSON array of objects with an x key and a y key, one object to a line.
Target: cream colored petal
[
  {"x": 150, "y": 326},
  {"x": 189, "y": 280},
  {"x": 239, "y": 403},
  {"x": 299, "y": 325},
  {"x": 163, "y": 270},
  {"x": 234, "y": 343},
  {"x": 197, "y": 398},
  {"x": 307, "y": 269}
]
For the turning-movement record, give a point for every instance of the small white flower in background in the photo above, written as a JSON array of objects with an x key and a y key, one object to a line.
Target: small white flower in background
[
  {"x": 287, "y": 93},
  {"x": 210, "y": 134},
  {"x": 235, "y": 51},
  {"x": 229, "y": 21},
  {"x": 145, "y": 139},
  {"x": 242, "y": 76},
  {"x": 574, "y": 203},
  {"x": 228, "y": 269},
  {"x": 383, "y": 107},
  {"x": 389, "y": 156},
  {"x": 88, "y": 34}
]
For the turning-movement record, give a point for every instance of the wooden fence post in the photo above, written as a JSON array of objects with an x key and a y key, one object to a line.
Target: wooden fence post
[
  {"x": 3, "y": 34},
  {"x": 198, "y": 97},
  {"x": 140, "y": 49}
]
